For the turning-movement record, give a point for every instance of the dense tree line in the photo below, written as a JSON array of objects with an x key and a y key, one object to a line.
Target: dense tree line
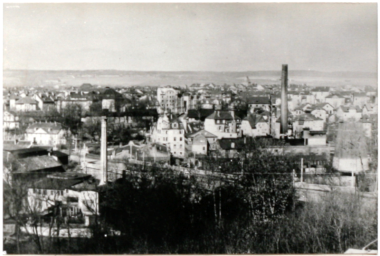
[{"x": 156, "y": 210}]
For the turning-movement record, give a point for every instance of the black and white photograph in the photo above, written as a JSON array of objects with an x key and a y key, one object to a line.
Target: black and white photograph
[{"x": 190, "y": 128}]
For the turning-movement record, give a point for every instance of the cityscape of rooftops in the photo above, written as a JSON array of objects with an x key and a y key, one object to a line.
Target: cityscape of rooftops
[{"x": 213, "y": 128}]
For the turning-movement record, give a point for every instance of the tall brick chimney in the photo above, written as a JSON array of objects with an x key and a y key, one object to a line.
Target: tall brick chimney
[
  {"x": 284, "y": 99},
  {"x": 103, "y": 151}
]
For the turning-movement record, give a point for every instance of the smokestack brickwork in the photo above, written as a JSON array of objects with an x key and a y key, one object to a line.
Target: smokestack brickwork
[
  {"x": 103, "y": 151},
  {"x": 284, "y": 100}
]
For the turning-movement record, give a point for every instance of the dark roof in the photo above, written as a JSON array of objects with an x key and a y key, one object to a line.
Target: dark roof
[
  {"x": 253, "y": 119},
  {"x": 258, "y": 100},
  {"x": 36, "y": 163},
  {"x": 35, "y": 151},
  {"x": 47, "y": 99},
  {"x": 56, "y": 184},
  {"x": 193, "y": 113},
  {"x": 321, "y": 89},
  {"x": 221, "y": 115},
  {"x": 200, "y": 114},
  {"x": 86, "y": 185},
  {"x": 59, "y": 153},
  {"x": 110, "y": 93},
  {"x": 228, "y": 144},
  {"x": 317, "y": 132}
]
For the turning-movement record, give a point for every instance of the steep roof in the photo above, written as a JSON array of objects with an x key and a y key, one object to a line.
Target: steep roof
[
  {"x": 334, "y": 95},
  {"x": 301, "y": 107},
  {"x": 26, "y": 100},
  {"x": 110, "y": 93},
  {"x": 322, "y": 105},
  {"x": 51, "y": 128},
  {"x": 254, "y": 119},
  {"x": 347, "y": 108},
  {"x": 306, "y": 117},
  {"x": 46, "y": 99},
  {"x": 203, "y": 133}
]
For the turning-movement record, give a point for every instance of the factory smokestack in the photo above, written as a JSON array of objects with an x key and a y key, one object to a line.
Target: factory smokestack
[
  {"x": 103, "y": 151},
  {"x": 284, "y": 100}
]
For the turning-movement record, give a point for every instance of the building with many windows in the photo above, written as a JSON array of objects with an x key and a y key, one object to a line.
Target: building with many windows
[
  {"x": 170, "y": 132},
  {"x": 224, "y": 124},
  {"x": 46, "y": 133},
  {"x": 170, "y": 99}
]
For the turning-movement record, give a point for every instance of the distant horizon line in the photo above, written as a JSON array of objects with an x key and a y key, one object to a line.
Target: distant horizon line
[{"x": 190, "y": 71}]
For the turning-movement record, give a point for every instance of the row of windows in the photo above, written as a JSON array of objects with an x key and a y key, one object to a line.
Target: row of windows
[
  {"x": 45, "y": 192},
  {"x": 224, "y": 121}
]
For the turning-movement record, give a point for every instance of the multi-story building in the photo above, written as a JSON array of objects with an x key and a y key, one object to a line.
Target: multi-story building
[
  {"x": 224, "y": 124},
  {"x": 256, "y": 125},
  {"x": 307, "y": 120},
  {"x": 10, "y": 120},
  {"x": 263, "y": 103},
  {"x": 170, "y": 132},
  {"x": 335, "y": 100},
  {"x": 46, "y": 133},
  {"x": 320, "y": 93},
  {"x": 73, "y": 196},
  {"x": 45, "y": 102},
  {"x": 345, "y": 113},
  {"x": 201, "y": 141},
  {"x": 78, "y": 99},
  {"x": 23, "y": 104},
  {"x": 170, "y": 99},
  {"x": 111, "y": 100},
  {"x": 360, "y": 99}
]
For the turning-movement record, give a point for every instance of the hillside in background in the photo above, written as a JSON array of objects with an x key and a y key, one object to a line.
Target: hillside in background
[{"x": 157, "y": 78}]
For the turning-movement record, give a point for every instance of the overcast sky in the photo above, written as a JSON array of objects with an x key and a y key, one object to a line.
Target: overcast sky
[{"x": 191, "y": 37}]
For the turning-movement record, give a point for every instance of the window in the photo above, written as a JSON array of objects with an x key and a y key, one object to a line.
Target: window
[
  {"x": 220, "y": 128},
  {"x": 180, "y": 146},
  {"x": 175, "y": 139},
  {"x": 180, "y": 138},
  {"x": 180, "y": 132},
  {"x": 180, "y": 153},
  {"x": 204, "y": 148},
  {"x": 175, "y": 145}
]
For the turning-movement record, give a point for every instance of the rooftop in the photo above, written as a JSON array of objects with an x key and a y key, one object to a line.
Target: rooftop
[
  {"x": 48, "y": 127},
  {"x": 36, "y": 163}
]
